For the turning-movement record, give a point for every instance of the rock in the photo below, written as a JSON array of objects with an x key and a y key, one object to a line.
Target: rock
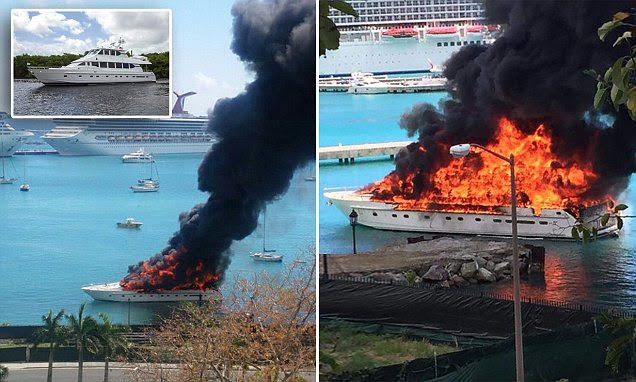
[
  {"x": 435, "y": 273},
  {"x": 418, "y": 280},
  {"x": 472, "y": 281},
  {"x": 468, "y": 257},
  {"x": 485, "y": 275},
  {"x": 490, "y": 265},
  {"x": 453, "y": 267},
  {"x": 355, "y": 275},
  {"x": 499, "y": 268},
  {"x": 459, "y": 281},
  {"x": 444, "y": 284},
  {"x": 480, "y": 261},
  {"x": 422, "y": 271},
  {"x": 468, "y": 270},
  {"x": 399, "y": 278}
]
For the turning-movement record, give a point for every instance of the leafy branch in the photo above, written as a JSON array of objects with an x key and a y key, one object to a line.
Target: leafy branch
[
  {"x": 586, "y": 231},
  {"x": 618, "y": 81},
  {"x": 329, "y": 36}
]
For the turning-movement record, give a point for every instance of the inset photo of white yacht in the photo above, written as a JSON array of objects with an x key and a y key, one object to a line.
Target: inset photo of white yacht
[{"x": 91, "y": 63}]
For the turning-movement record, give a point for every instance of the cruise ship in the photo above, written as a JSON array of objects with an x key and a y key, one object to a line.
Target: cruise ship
[
  {"x": 181, "y": 134},
  {"x": 114, "y": 292},
  {"x": 11, "y": 139},
  {"x": 106, "y": 65},
  {"x": 551, "y": 223},
  {"x": 403, "y": 36}
]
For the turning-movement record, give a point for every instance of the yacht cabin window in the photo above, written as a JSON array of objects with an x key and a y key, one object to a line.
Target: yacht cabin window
[
  {"x": 119, "y": 65},
  {"x": 102, "y": 65},
  {"x": 95, "y": 64},
  {"x": 111, "y": 65}
]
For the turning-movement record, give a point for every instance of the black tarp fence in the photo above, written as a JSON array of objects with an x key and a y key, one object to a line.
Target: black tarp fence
[{"x": 558, "y": 342}]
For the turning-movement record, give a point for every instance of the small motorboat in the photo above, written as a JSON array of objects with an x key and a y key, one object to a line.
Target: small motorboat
[
  {"x": 145, "y": 187},
  {"x": 139, "y": 156},
  {"x": 4, "y": 180},
  {"x": 264, "y": 256},
  {"x": 25, "y": 187},
  {"x": 130, "y": 223},
  {"x": 310, "y": 178}
]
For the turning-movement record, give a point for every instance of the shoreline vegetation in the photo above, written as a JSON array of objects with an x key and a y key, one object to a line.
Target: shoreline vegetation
[{"x": 160, "y": 63}]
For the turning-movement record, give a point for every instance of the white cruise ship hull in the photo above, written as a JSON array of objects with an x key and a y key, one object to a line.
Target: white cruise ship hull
[
  {"x": 550, "y": 224},
  {"x": 124, "y": 136},
  {"x": 114, "y": 292},
  {"x": 77, "y": 146},
  {"x": 12, "y": 140},
  {"x": 62, "y": 76},
  {"x": 386, "y": 56}
]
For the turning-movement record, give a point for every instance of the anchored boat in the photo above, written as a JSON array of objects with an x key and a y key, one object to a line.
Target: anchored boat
[{"x": 114, "y": 292}]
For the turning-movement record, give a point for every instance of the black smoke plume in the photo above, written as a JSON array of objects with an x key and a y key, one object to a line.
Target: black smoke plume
[
  {"x": 532, "y": 74},
  {"x": 264, "y": 134}
]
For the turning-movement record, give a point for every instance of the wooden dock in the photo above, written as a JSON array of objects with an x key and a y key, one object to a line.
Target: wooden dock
[{"x": 348, "y": 154}]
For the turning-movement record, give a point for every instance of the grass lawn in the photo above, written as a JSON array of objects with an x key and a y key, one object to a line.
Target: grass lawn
[{"x": 343, "y": 348}]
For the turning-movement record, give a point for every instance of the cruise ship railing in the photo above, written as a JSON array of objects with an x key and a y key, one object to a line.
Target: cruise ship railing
[{"x": 590, "y": 308}]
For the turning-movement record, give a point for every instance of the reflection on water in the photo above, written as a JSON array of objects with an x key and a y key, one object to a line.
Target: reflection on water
[{"x": 34, "y": 98}]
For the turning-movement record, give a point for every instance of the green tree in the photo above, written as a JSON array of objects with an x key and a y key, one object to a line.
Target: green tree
[
  {"x": 53, "y": 333},
  {"x": 621, "y": 352},
  {"x": 619, "y": 81},
  {"x": 82, "y": 331},
  {"x": 329, "y": 36},
  {"x": 111, "y": 340}
]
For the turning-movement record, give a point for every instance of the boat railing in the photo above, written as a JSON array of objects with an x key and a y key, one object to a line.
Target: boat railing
[
  {"x": 38, "y": 67},
  {"x": 343, "y": 188}
]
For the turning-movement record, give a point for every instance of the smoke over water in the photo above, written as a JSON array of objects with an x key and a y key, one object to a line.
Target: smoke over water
[
  {"x": 532, "y": 76},
  {"x": 264, "y": 134}
]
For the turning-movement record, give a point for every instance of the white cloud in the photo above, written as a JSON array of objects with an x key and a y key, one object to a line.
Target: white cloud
[
  {"x": 144, "y": 32},
  {"x": 62, "y": 44},
  {"x": 43, "y": 23},
  {"x": 208, "y": 90}
]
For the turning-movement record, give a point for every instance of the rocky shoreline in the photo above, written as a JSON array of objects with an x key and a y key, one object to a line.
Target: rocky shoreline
[{"x": 442, "y": 262}]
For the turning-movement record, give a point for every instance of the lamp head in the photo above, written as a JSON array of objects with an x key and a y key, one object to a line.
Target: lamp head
[
  {"x": 460, "y": 151},
  {"x": 353, "y": 217}
]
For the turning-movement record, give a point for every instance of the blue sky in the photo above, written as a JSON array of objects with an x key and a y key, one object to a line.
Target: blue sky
[{"x": 201, "y": 37}]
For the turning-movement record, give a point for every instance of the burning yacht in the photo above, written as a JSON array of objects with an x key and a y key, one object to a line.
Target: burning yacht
[
  {"x": 115, "y": 292},
  {"x": 471, "y": 195},
  {"x": 551, "y": 223}
]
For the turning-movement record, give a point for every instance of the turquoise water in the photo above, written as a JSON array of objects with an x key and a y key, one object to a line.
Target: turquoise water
[
  {"x": 603, "y": 272},
  {"x": 62, "y": 235}
]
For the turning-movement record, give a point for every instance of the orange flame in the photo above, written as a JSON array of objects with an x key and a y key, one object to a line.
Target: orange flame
[
  {"x": 154, "y": 277},
  {"x": 480, "y": 182}
]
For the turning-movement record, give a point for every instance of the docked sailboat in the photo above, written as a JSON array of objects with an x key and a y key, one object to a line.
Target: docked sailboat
[{"x": 267, "y": 254}]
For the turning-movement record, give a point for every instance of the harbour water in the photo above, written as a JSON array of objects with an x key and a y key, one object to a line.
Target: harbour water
[
  {"x": 32, "y": 98},
  {"x": 62, "y": 235},
  {"x": 601, "y": 273}
]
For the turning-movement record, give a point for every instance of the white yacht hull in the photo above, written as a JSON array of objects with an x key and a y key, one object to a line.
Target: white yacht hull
[
  {"x": 551, "y": 224},
  {"x": 114, "y": 292},
  {"x": 62, "y": 76}
]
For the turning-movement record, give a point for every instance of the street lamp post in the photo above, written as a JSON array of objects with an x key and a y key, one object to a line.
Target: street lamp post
[
  {"x": 353, "y": 219},
  {"x": 459, "y": 151}
]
